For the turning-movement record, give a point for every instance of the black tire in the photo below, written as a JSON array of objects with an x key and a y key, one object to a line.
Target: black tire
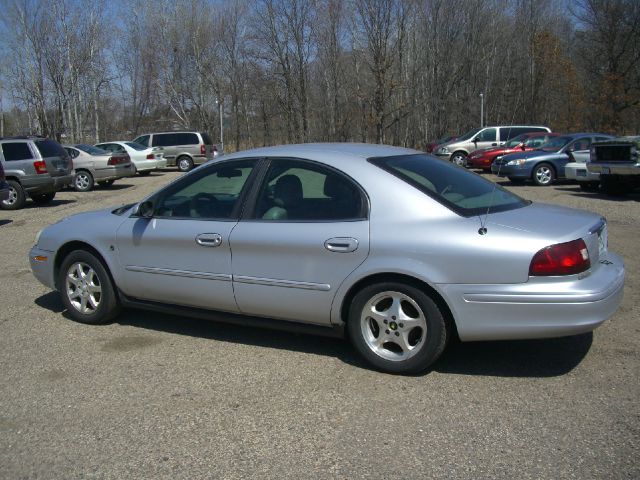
[
  {"x": 589, "y": 186},
  {"x": 100, "y": 307},
  {"x": 17, "y": 197},
  {"x": 459, "y": 158},
  {"x": 418, "y": 308},
  {"x": 543, "y": 174},
  {"x": 83, "y": 181},
  {"x": 106, "y": 183},
  {"x": 43, "y": 198},
  {"x": 144, "y": 173},
  {"x": 184, "y": 163}
]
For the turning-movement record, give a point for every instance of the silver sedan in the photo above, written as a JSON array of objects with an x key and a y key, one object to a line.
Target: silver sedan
[{"x": 393, "y": 248}]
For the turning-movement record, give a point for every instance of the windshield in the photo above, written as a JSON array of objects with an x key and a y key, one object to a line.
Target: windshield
[
  {"x": 91, "y": 150},
  {"x": 135, "y": 146},
  {"x": 464, "y": 192},
  {"x": 468, "y": 135},
  {"x": 555, "y": 144}
]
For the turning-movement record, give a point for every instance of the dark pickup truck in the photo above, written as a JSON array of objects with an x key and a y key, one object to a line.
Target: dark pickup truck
[{"x": 617, "y": 163}]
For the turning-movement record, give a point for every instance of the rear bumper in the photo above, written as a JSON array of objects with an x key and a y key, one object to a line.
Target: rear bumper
[
  {"x": 578, "y": 172},
  {"x": 46, "y": 183},
  {"x": 615, "y": 168},
  {"x": 144, "y": 165},
  {"x": 540, "y": 308},
  {"x": 114, "y": 172}
]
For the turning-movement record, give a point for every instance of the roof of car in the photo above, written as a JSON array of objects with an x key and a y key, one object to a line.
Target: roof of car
[{"x": 362, "y": 150}]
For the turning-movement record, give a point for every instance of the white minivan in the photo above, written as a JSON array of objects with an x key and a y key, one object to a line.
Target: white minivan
[{"x": 457, "y": 150}]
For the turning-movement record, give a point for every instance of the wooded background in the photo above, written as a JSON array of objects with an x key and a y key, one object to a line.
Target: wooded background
[{"x": 390, "y": 71}]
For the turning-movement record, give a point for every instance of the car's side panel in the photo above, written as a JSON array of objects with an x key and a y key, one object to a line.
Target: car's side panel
[
  {"x": 166, "y": 260},
  {"x": 285, "y": 270}
]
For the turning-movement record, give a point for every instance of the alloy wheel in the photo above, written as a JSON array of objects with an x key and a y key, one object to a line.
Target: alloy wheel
[{"x": 83, "y": 288}]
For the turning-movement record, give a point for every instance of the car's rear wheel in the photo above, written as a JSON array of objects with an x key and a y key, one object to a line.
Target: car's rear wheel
[
  {"x": 543, "y": 175},
  {"x": 459, "y": 158},
  {"x": 86, "y": 288},
  {"x": 83, "y": 181},
  {"x": 43, "y": 198},
  {"x": 184, "y": 164},
  {"x": 17, "y": 198},
  {"x": 397, "y": 327}
]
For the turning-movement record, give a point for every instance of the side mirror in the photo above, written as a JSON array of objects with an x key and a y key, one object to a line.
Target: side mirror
[
  {"x": 475, "y": 140},
  {"x": 522, "y": 147},
  {"x": 145, "y": 209}
]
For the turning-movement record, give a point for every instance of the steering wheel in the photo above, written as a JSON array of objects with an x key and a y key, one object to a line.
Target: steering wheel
[{"x": 204, "y": 205}]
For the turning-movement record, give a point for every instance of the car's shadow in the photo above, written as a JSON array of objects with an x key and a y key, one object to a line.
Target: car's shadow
[
  {"x": 53, "y": 203},
  {"x": 5, "y": 222},
  {"x": 576, "y": 191},
  {"x": 526, "y": 358}
]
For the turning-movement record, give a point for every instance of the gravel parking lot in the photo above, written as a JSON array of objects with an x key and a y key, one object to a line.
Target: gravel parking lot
[{"x": 159, "y": 396}]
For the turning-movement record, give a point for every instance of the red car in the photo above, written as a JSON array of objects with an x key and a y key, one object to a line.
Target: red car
[
  {"x": 484, "y": 157},
  {"x": 430, "y": 147}
]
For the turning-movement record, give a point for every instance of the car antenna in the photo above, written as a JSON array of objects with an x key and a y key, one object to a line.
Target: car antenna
[{"x": 483, "y": 223}]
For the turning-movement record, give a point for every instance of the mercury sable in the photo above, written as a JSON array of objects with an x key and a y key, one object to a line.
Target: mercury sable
[{"x": 395, "y": 249}]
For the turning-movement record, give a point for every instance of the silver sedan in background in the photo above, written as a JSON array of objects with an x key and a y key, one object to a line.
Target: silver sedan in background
[
  {"x": 93, "y": 165},
  {"x": 145, "y": 159},
  {"x": 393, "y": 248}
]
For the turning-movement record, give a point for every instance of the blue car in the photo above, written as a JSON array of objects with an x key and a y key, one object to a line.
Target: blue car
[{"x": 546, "y": 164}]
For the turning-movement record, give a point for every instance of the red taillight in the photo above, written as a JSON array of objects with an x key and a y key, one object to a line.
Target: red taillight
[
  {"x": 561, "y": 259},
  {"x": 112, "y": 161},
  {"x": 40, "y": 166},
  {"x": 118, "y": 160},
  {"x": 151, "y": 156},
  {"x": 203, "y": 149}
]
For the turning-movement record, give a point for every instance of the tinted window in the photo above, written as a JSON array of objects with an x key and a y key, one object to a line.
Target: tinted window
[
  {"x": 73, "y": 153},
  {"x": 91, "y": 150},
  {"x": 206, "y": 138},
  {"x": 49, "y": 148},
  {"x": 16, "y": 151},
  {"x": 164, "y": 139},
  {"x": 211, "y": 193},
  {"x": 487, "y": 135},
  {"x": 464, "y": 192},
  {"x": 136, "y": 146},
  {"x": 142, "y": 140},
  {"x": 511, "y": 132},
  {"x": 187, "y": 139},
  {"x": 581, "y": 144},
  {"x": 302, "y": 191}
]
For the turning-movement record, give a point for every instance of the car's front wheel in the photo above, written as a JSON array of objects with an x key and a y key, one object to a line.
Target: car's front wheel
[
  {"x": 459, "y": 158},
  {"x": 86, "y": 288},
  {"x": 543, "y": 175},
  {"x": 397, "y": 327}
]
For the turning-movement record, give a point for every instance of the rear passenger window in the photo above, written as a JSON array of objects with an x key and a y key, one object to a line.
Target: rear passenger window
[
  {"x": 49, "y": 148},
  {"x": 163, "y": 140},
  {"x": 187, "y": 139},
  {"x": 16, "y": 151},
  {"x": 509, "y": 133},
  {"x": 142, "y": 140},
  {"x": 301, "y": 191}
]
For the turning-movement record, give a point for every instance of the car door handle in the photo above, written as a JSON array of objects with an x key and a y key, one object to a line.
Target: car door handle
[
  {"x": 341, "y": 244},
  {"x": 209, "y": 239}
]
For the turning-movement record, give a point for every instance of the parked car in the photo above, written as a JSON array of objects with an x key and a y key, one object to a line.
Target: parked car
[
  {"x": 484, "y": 157},
  {"x": 457, "y": 151},
  {"x": 379, "y": 243},
  {"x": 617, "y": 164},
  {"x": 4, "y": 186},
  {"x": 545, "y": 165},
  {"x": 145, "y": 159},
  {"x": 36, "y": 167},
  {"x": 92, "y": 164},
  {"x": 431, "y": 146},
  {"x": 182, "y": 149}
]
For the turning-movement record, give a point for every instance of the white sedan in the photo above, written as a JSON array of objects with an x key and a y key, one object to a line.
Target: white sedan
[{"x": 144, "y": 159}]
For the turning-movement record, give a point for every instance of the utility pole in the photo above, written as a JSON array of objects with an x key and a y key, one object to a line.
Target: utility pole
[
  {"x": 219, "y": 102},
  {"x": 481, "y": 110}
]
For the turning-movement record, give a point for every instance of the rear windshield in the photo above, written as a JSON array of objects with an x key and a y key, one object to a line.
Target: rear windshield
[
  {"x": 91, "y": 150},
  {"x": 135, "y": 146},
  {"x": 464, "y": 192},
  {"x": 49, "y": 148},
  {"x": 555, "y": 144}
]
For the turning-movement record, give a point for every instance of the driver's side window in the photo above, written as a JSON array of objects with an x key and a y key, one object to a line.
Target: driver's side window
[{"x": 212, "y": 193}]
